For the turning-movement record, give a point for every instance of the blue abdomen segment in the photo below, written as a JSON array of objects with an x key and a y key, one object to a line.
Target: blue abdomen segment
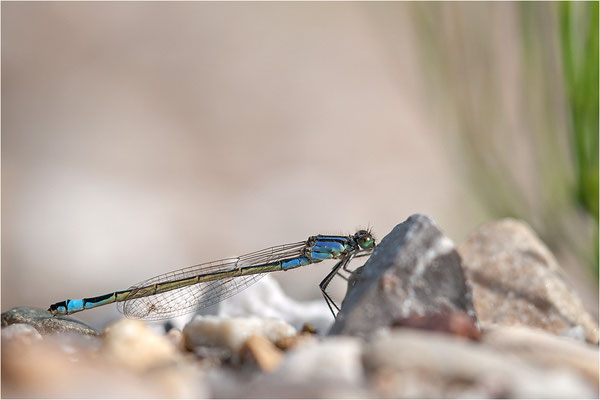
[
  {"x": 74, "y": 305},
  {"x": 295, "y": 263},
  {"x": 71, "y": 306}
]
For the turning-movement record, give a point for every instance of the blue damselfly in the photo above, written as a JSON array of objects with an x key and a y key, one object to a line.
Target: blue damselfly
[{"x": 199, "y": 286}]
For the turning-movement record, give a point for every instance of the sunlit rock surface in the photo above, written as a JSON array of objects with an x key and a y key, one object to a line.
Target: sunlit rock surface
[{"x": 517, "y": 281}]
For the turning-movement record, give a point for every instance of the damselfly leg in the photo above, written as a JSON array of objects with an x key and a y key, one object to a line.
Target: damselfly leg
[{"x": 334, "y": 271}]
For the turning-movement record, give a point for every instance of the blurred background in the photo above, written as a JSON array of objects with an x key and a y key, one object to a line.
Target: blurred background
[{"x": 138, "y": 138}]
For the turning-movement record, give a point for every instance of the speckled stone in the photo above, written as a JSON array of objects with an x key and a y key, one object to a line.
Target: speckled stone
[
  {"x": 43, "y": 322},
  {"x": 517, "y": 281}
]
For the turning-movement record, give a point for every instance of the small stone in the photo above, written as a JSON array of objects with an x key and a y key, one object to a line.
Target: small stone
[
  {"x": 517, "y": 281},
  {"x": 415, "y": 270},
  {"x": 289, "y": 342},
  {"x": 132, "y": 344},
  {"x": 175, "y": 336},
  {"x": 43, "y": 322},
  {"x": 22, "y": 333},
  {"x": 231, "y": 333},
  {"x": 308, "y": 328},
  {"x": 267, "y": 356}
]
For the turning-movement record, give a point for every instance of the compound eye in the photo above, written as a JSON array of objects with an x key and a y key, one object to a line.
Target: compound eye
[{"x": 365, "y": 241}]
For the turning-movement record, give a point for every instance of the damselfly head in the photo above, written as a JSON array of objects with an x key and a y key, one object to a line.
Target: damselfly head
[{"x": 365, "y": 240}]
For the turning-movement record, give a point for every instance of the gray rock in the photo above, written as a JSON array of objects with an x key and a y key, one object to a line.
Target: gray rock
[
  {"x": 517, "y": 281},
  {"x": 413, "y": 271},
  {"x": 43, "y": 322}
]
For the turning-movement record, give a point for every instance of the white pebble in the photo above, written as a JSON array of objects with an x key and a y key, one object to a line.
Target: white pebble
[
  {"x": 23, "y": 332},
  {"x": 232, "y": 332},
  {"x": 134, "y": 345}
]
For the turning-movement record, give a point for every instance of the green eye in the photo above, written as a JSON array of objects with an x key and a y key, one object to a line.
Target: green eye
[{"x": 366, "y": 242}]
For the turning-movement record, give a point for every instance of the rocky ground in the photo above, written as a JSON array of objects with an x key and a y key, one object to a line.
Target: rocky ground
[{"x": 491, "y": 318}]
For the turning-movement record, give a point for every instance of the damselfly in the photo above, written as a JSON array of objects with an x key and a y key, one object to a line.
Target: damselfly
[{"x": 199, "y": 286}]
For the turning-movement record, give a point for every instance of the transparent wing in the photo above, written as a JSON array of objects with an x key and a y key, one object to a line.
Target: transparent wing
[{"x": 195, "y": 297}]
